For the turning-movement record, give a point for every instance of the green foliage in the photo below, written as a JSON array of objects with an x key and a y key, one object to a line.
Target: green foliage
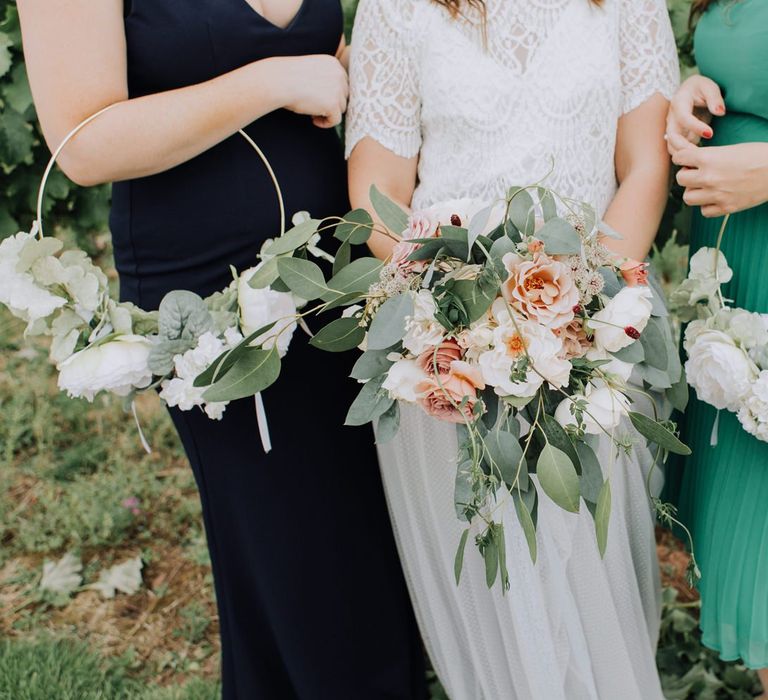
[
  {"x": 24, "y": 154},
  {"x": 68, "y": 670}
]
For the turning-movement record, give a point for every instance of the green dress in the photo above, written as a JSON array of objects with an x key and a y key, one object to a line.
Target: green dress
[{"x": 724, "y": 496}]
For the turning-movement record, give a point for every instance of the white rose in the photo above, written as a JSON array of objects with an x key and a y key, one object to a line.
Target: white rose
[
  {"x": 117, "y": 366},
  {"x": 260, "y": 307},
  {"x": 422, "y": 331},
  {"x": 753, "y": 414},
  {"x": 630, "y": 307},
  {"x": 604, "y": 409},
  {"x": 718, "y": 369},
  {"x": 511, "y": 343},
  {"x": 702, "y": 266},
  {"x": 402, "y": 380},
  {"x": 615, "y": 367}
]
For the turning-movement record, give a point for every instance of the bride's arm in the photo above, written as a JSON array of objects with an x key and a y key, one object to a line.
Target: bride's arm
[
  {"x": 642, "y": 170},
  {"x": 75, "y": 54},
  {"x": 372, "y": 164}
]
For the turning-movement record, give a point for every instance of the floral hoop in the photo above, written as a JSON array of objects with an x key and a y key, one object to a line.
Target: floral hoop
[{"x": 100, "y": 345}]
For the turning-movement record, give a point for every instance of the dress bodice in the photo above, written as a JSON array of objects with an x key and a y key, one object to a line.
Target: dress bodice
[
  {"x": 731, "y": 44},
  {"x": 183, "y": 228},
  {"x": 543, "y": 89}
]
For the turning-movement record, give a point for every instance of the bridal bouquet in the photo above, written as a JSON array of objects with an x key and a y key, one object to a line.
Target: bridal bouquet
[
  {"x": 518, "y": 326},
  {"x": 727, "y": 347}
]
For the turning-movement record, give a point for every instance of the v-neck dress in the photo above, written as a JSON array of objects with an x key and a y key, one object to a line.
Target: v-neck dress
[{"x": 312, "y": 603}]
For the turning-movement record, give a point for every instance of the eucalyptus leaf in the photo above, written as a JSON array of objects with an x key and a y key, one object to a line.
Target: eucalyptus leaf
[
  {"x": 522, "y": 212},
  {"x": 356, "y": 227},
  {"x": 371, "y": 363},
  {"x": 389, "y": 424},
  {"x": 162, "y": 352},
  {"x": 224, "y": 362},
  {"x": 294, "y": 238},
  {"x": 634, "y": 353},
  {"x": 655, "y": 432},
  {"x": 501, "y": 548},
  {"x": 491, "y": 556},
  {"x": 526, "y": 522},
  {"x": 388, "y": 326},
  {"x": 251, "y": 373},
  {"x": 547, "y": 203},
  {"x": 654, "y": 345},
  {"x": 264, "y": 275},
  {"x": 557, "y": 436},
  {"x": 678, "y": 394},
  {"x": 612, "y": 285},
  {"x": 391, "y": 215},
  {"x": 371, "y": 402},
  {"x": 603, "y": 517},
  {"x": 303, "y": 277},
  {"x": 559, "y": 237},
  {"x": 343, "y": 300},
  {"x": 339, "y": 336},
  {"x": 505, "y": 457},
  {"x": 502, "y": 246},
  {"x": 342, "y": 258},
  {"x": 477, "y": 225},
  {"x": 592, "y": 479},
  {"x": 558, "y": 478},
  {"x": 357, "y": 277},
  {"x": 458, "y": 563}
]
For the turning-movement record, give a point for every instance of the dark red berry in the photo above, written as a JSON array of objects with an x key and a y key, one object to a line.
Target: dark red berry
[
  {"x": 577, "y": 309},
  {"x": 632, "y": 332},
  {"x": 455, "y": 219}
]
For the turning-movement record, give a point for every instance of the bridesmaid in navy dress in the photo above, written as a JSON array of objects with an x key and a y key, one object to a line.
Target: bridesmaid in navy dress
[{"x": 311, "y": 599}]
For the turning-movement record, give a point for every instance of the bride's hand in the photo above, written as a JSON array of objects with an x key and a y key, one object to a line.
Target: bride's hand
[
  {"x": 317, "y": 86},
  {"x": 722, "y": 179},
  {"x": 691, "y": 110}
]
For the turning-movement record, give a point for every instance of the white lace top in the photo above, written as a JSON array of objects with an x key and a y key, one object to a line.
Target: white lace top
[{"x": 545, "y": 89}]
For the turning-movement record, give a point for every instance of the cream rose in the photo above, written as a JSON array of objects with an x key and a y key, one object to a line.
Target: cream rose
[
  {"x": 117, "y": 366},
  {"x": 708, "y": 263},
  {"x": 403, "y": 379},
  {"x": 542, "y": 289},
  {"x": 605, "y": 407},
  {"x": 719, "y": 370},
  {"x": 629, "y": 309},
  {"x": 422, "y": 330},
  {"x": 260, "y": 307}
]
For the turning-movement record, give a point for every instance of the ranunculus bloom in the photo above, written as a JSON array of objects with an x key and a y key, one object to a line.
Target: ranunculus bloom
[
  {"x": 634, "y": 273},
  {"x": 604, "y": 409},
  {"x": 542, "y": 289},
  {"x": 419, "y": 226},
  {"x": 442, "y": 396},
  {"x": 719, "y": 370},
  {"x": 403, "y": 380},
  {"x": 575, "y": 341},
  {"x": 446, "y": 353},
  {"x": 117, "y": 366},
  {"x": 631, "y": 307},
  {"x": 260, "y": 307}
]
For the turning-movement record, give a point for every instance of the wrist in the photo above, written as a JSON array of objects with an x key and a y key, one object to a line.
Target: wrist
[{"x": 272, "y": 77}]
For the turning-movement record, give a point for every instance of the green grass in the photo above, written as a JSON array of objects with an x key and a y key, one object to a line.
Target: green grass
[{"x": 60, "y": 669}]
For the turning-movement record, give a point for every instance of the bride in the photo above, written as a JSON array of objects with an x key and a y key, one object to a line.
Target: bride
[{"x": 465, "y": 98}]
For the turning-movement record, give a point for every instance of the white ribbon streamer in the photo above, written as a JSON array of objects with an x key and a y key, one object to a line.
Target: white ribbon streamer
[
  {"x": 715, "y": 430},
  {"x": 144, "y": 442},
  {"x": 261, "y": 419}
]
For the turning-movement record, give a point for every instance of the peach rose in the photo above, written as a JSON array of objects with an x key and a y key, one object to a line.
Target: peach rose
[
  {"x": 543, "y": 289},
  {"x": 419, "y": 226},
  {"x": 634, "y": 273},
  {"x": 460, "y": 384},
  {"x": 575, "y": 341},
  {"x": 447, "y": 352}
]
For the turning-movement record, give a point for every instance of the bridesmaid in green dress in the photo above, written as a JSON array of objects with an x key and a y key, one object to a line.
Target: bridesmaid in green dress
[{"x": 724, "y": 496}]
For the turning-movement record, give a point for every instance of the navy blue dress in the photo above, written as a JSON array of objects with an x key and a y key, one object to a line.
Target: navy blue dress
[{"x": 312, "y": 601}]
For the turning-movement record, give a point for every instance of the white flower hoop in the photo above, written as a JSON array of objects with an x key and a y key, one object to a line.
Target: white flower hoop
[{"x": 184, "y": 350}]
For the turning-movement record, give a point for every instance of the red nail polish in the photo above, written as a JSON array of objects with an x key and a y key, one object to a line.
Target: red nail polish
[{"x": 708, "y": 133}]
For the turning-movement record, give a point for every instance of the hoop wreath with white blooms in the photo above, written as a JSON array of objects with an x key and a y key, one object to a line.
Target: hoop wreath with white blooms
[{"x": 198, "y": 353}]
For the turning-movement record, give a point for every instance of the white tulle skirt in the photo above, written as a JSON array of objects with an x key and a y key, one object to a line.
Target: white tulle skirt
[{"x": 572, "y": 627}]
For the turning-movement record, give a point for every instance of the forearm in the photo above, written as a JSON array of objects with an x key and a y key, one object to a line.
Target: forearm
[
  {"x": 636, "y": 211},
  {"x": 148, "y": 135}
]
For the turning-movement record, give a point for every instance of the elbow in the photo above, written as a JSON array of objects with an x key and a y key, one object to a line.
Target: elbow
[{"x": 82, "y": 169}]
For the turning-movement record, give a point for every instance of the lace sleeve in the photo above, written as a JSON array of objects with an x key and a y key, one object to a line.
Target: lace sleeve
[
  {"x": 648, "y": 53},
  {"x": 384, "y": 83}
]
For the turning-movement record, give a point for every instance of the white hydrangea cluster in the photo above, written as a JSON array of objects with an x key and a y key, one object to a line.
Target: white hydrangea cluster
[{"x": 180, "y": 390}]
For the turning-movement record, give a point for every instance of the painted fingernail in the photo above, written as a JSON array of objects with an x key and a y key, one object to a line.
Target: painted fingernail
[
  {"x": 708, "y": 133},
  {"x": 720, "y": 109}
]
